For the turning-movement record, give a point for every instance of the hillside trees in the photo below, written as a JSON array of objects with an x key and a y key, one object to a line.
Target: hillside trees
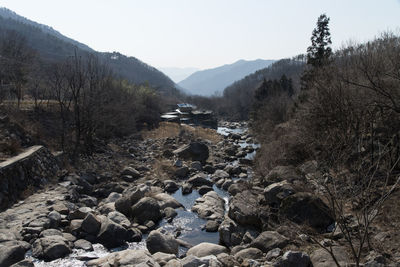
[
  {"x": 15, "y": 60},
  {"x": 351, "y": 121},
  {"x": 93, "y": 104}
]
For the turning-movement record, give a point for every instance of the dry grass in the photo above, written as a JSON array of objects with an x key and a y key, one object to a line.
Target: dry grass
[
  {"x": 163, "y": 169},
  {"x": 170, "y": 129}
]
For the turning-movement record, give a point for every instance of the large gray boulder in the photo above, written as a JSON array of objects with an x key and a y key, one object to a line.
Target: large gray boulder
[
  {"x": 244, "y": 209},
  {"x": 206, "y": 249},
  {"x": 119, "y": 218},
  {"x": 230, "y": 232},
  {"x": 306, "y": 208},
  {"x": 112, "y": 235},
  {"x": 159, "y": 242},
  {"x": 195, "y": 151},
  {"x": 199, "y": 180},
  {"x": 269, "y": 240},
  {"x": 210, "y": 206},
  {"x": 276, "y": 192},
  {"x": 129, "y": 198},
  {"x": 248, "y": 253},
  {"x": 11, "y": 254},
  {"x": 321, "y": 258},
  {"x": 51, "y": 247},
  {"x": 125, "y": 258},
  {"x": 147, "y": 209},
  {"x": 91, "y": 224}
]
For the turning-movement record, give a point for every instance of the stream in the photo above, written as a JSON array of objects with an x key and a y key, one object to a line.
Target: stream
[{"x": 187, "y": 226}]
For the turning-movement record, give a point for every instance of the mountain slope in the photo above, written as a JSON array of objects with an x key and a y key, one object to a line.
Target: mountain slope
[
  {"x": 52, "y": 46},
  {"x": 210, "y": 81}
]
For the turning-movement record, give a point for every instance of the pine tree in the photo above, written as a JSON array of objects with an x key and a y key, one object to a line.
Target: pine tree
[{"x": 320, "y": 52}]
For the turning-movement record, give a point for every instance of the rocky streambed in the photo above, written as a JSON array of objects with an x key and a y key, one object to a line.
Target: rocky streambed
[{"x": 69, "y": 224}]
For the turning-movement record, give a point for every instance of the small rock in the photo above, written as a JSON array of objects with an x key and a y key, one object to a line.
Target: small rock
[{"x": 83, "y": 244}]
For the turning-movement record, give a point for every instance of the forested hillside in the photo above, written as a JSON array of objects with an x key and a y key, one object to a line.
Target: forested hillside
[{"x": 53, "y": 46}]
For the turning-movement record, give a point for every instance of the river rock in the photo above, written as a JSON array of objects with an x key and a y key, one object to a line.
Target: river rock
[
  {"x": 79, "y": 213},
  {"x": 119, "y": 218},
  {"x": 268, "y": 240},
  {"x": 199, "y": 180},
  {"x": 147, "y": 209},
  {"x": 170, "y": 186},
  {"x": 112, "y": 235},
  {"x": 212, "y": 226},
  {"x": 129, "y": 198},
  {"x": 293, "y": 259},
  {"x": 195, "y": 151},
  {"x": 182, "y": 172},
  {"x": 196, "y": 165},
  {"x": 162, "y": 258},
  {"x": 248, "y": 253},
  {"x": 125, "y": 258},
  {"x": 206, "y": 249},
  {"x": 244, "y": 208},
  {"x": 306, "y": 208},
  {"x": 204, "y": 189},
  {"x": 207, "y": 261},
  {"x": 159, "y": 242},
  {"x": 210, "y": 206},
  {"x": 11, "y": 254},
  {"x": 230, "y": 233},
  {"x": 55, "y": 218},
  {"x": 170, "y": 212},
  {"x": 83, "y": 244},
  {"x": 91, "y": 224},
  {"x": 50, "y": 248},
  {"x": 166, "y": 200},
  {"x": 187, "y": 188}
]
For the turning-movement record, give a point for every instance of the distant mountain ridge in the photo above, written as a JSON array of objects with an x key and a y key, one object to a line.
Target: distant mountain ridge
[
  {"x": 178, "y": 74},
  {"x": 211, "y": 81},
  {"x": 52, "y": 46}
]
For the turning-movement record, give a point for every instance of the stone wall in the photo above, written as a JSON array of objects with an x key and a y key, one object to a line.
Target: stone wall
[{"x": 30, "y": 169}]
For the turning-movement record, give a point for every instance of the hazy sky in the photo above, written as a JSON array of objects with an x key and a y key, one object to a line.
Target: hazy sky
[{"x": 208, "y": 33}]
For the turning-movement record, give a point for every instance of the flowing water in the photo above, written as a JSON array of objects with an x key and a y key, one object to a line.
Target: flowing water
[{"x": 186, "y": 225}]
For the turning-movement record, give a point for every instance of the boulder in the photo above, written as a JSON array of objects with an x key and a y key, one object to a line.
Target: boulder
[
  {"x": 321, "y": 258},
  {"x": 11, "y": 254},
  {"x": 269, "y": 240},
  {"x": 195, "y": 151},
  {"x": 187, "y": 188},
  {"x": 130, "y": 171},
  {"x": 159, "y": 242},
  {"x": 230, "y": 233},
  {"x": 248, "y": 253},
  {"x": 126, "y": 258},
  {"x": 83, "y": 244},
  {"x": 204, "y": 189},
  {"x": 147, "y": 209},
  {"x": 162, "y": 258},
  {"x": 170, "y": 186},
  {"x": 112, "y": 235},
  {"x": 119, "y": 218},
  {"x": 55, "y": 218},
  {"x": 276, "y": 192},
  {"x": 212, "y": 226},
  {"x": 294, "y": 259},
  {"x": 199, "y": 180},
  {"x": 182, "y": 172},
  {"x": 91, "y": 224},
  {"x": 207, "y": 261},
  {"x": 210, "y": 206},
  {"x": 79, "y": 213},
  {"x": 196, "y": 165},
  {"x": 244, "y": 209},
  {"x": 206, "y": 249},
  {"x": 50, "y": 248},
  {"x": 165, "y": 201},
  {"x": 306, "y": 208},
  {"x": 130, "y": 198}
]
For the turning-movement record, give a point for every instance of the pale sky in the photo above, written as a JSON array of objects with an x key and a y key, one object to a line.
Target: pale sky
[{"x": 208, "y": 33}]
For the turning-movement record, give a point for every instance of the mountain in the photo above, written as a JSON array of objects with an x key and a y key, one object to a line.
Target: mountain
[
  {"x": 210, "y": 81},
  {"x": 52, "y": 47},
  {"x": 178, "y": 74}
]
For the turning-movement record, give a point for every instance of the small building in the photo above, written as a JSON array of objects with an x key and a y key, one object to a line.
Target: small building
[{"x": 188, "y": 114}]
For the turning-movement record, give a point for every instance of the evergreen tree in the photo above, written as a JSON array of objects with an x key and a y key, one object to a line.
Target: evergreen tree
[{"x": 319, "y": 52}]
